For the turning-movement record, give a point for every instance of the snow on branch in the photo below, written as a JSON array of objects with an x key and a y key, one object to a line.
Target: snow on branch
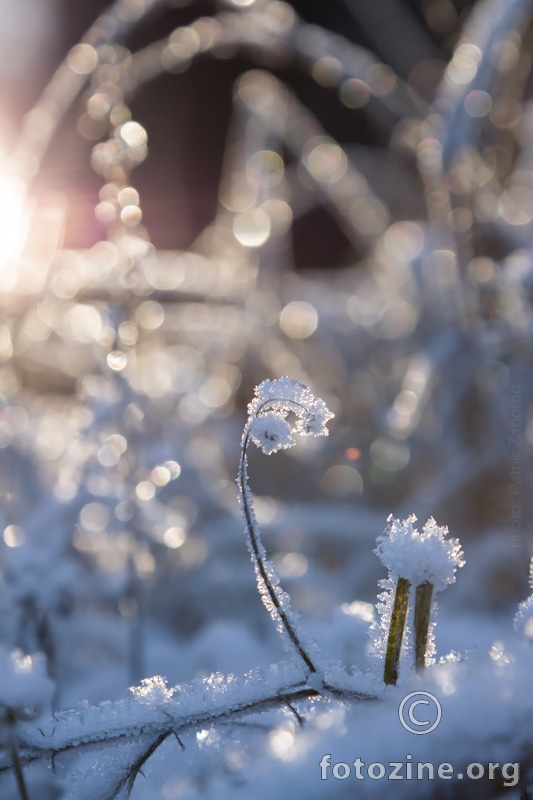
[{"x": 154, "y": 708}]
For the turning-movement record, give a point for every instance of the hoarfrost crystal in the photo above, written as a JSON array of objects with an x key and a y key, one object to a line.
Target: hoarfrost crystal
[
  {"x": 275, "y": 400},
  {"x": 271, "y": 432},
  {"x": 420, "y": 556}
]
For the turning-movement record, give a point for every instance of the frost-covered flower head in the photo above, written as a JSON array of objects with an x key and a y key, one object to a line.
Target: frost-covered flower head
[
  {"x": 268, "y": 426},
  {"x": 420, "y": 556}
]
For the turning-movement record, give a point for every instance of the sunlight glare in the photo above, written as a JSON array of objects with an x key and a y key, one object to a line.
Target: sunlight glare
[{"x": 13, "y": 227}]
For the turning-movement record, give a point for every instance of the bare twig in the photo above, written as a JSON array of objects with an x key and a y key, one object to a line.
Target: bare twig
[{"x": 60, "y": 739}]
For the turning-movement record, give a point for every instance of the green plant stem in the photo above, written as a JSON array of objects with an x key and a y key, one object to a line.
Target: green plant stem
[
  {"x": 424, "y": 594},
  {"x": 397, "y": 624}
]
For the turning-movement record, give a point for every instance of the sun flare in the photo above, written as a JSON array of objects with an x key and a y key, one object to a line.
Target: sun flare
[{"x": 14, "y": 219}]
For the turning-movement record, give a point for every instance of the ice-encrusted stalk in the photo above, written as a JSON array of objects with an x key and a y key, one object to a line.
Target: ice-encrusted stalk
[
  {"x": 268, "y": 428},
  {"x": 263, "y": 578},
  {"x": 397, "y": 625},
  {"x": 423, "y": 598},
  {"x": 422, "y": 563},
  {"x": 523, "y": 621}
]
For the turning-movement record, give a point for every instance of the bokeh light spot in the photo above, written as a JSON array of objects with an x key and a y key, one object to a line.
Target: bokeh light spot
[
  {"x": 341, "y": 480},
  {"x": 117, "y": 360},
  {"x": 14, "y": 536},
  {"x": 326, "y": 162},
  {"x": 133, "y": 134},
  {"x": 354, "y": 93},
  {"x": 82, "y": 59},
  {"x": 298, "y": 320},
  {"x": 252, "y": 228}
]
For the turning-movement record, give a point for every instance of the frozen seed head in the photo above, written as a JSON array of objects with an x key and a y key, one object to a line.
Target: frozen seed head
[
  {"x": 420, "y": 556},
  {"x": 268, "y": 426},
  {"x": 271, "y": 432}
]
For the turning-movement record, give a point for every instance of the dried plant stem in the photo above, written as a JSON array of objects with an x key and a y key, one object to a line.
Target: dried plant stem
[
  {"x": 397, "y": 624},
  {"x": 17, "y": 768},
  {"x": 424, "y": 594},
  {"x": 258, "y": 552}
]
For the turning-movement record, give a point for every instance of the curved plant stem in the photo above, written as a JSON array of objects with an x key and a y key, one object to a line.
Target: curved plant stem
[
  {"x": 424, "y": 593},
  {"x": 258, "y": 552},
  {"x": 397, "y": 624}
]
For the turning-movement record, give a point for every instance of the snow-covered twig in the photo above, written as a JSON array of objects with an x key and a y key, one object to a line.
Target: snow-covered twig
[{"x": 153, "y": 708}]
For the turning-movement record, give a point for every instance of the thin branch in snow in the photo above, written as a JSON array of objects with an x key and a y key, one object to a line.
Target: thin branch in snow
[
  {"x": 136, "y": 768},
  {"x": 299, "y": 719},
  {"x": 179, "y": 741}
]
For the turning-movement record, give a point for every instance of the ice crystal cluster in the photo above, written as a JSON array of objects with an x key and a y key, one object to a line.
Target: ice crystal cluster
[
  {"x": 268, "y": 426},
  {"x": 418, "y": 556}
]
